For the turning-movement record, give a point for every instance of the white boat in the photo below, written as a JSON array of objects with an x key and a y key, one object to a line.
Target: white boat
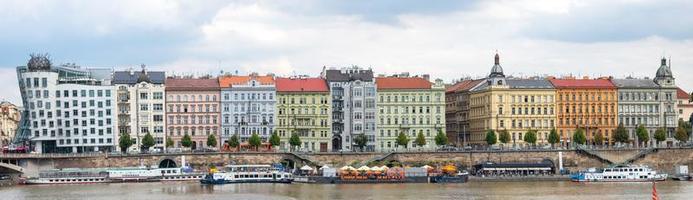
[
  {"x": 248, "y": 174},
  {"x": 179, "y": 174},
  {"x": 69, "y": 176},
  {"x": 630, "y": 173}
]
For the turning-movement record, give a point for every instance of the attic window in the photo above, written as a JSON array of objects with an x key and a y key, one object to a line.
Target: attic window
[{"x": 500, "y": 82}]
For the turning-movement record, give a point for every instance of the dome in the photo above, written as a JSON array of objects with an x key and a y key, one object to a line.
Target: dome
[
  {"x": 39, "y": 62},
  {"x": 664, "y": 71},
  {"x": 497, "y": 70}
]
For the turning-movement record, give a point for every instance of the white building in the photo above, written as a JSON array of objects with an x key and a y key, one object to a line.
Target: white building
[
  {"x": 140, "y": 106},
  {"x": 247, "y": 106},
  {"x": 69, "y": 109}
]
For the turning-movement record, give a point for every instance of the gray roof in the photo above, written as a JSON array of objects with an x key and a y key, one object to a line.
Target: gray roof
[
  {"x": 335, "y": 75},
  {"x": 124, "y": 77},
  {"x": 634, "y": 83},
  {"x": 529, "y": 84}
]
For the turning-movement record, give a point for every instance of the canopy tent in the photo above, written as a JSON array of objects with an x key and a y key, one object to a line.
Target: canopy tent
[
  {"x": 306, "y": 168},
  {"x": 376, "y": 168},
  {"x": 347, "y": 168},
  {"x": 324, "y": 167},
  {"x": 364, "y": 168},
  {"x": 427, "y": 167}
]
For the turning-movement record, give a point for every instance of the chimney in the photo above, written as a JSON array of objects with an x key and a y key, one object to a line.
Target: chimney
[{"x": 426, "y": 76}]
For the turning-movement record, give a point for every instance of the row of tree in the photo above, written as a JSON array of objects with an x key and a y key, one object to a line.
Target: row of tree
[{"x": 620, "y": 135}]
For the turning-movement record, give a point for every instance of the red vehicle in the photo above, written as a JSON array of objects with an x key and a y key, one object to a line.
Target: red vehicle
[{"x": 15, "y": 149}]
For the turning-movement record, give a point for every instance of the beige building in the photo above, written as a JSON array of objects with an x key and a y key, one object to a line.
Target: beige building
[
  {"x": 685, "y": 105},
  {"x": 9, "y": 121},
  {"x": 304, "y": 108},
  {"x": 192, "y": 108},
  {"x": 515, "y": 105}
]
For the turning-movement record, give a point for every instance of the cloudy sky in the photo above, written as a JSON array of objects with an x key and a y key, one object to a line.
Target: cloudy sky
[{"x": 448, "y": 39}]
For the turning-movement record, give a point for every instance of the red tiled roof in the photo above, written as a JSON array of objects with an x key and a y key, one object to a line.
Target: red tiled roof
[
  {"x": 402, "y": 83},
  {"x": 582, "y": 83},
  {"x": 228, "y": 81},
  {"x": 681, "y": 94},
  {"x": 182, "y": 84},
  {"x": 301, "y": 85},
  {"x": 462, "y": 85}
]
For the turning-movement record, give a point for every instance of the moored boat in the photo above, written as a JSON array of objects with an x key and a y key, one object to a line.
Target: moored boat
[
  {"x": 630, "y": 173},
  {"x": 69, "y": 176},
  {"x": 247, "y": 174}
]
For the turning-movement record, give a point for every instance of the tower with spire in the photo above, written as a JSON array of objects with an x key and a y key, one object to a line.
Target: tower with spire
[
  {"x": 496, "y": 77},
  {"x": 664, "y": 77}
]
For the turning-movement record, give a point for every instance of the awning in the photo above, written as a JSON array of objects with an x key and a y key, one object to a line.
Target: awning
[{"x": 306, "y": 168}]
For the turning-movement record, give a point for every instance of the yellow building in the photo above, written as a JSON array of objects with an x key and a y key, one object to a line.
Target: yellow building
[
  {"x": 515, "y": 105},
  {"x": 410, "y": 105},
  {"x": 303, "y": 107}
]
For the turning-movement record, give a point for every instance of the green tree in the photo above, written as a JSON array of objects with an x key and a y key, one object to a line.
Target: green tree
[
  {"x": 361, "y": 140},
  {"x": 186, "y": 141},
  {"x": 579, "y": 136},
  {"x": 441, "y": 138},
  {"x": 643, "y": 135},
  {"x": 681, "y": 134},
  {"x": 504, "y": 136},
  {"x": 491, "y": 137},
  {"x": 294, "y": 141},
  {"x": 255, "y": 141},
  {"x": 124, "y": 142},
  {"x": 530, "y": 137},
  {"x": 420, "y": 139},
  {"x": 553, "y": 137},
  {"x": 212, "y": 140},
  {"x": 234, "y": 141},
  {"x": 621, "y": 134},
  {"x": 274, "y": 139},
  {"x": 599, "y": 139},
  {"x": 660, "y": 135},
  {"x": 402, "y": 139},
  {"x": 169, "y": 142},
  {"x": 147, "y": 142}
]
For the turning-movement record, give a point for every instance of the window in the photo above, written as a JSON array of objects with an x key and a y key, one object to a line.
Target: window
[
  {"x": 158, "y": 95},
  {"x": 144, "y": 107},
  {"x": 144, "y": 95}
]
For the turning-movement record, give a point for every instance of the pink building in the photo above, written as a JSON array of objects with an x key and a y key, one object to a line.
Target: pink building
[{"x": 192, "y": 108}]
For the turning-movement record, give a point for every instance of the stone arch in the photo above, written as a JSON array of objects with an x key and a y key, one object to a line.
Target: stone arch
[
  {"x": 167, "y": 163},
  {"x": 289, "y": 163}
]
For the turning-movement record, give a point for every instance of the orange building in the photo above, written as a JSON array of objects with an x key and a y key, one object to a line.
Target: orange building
[{"x": 589, "y": 104}]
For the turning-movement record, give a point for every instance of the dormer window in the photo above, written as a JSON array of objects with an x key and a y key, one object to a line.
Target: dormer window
[{"x": 500, "y": 82}]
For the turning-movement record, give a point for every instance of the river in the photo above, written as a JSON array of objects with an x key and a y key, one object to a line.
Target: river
[{"x": 471, "y": 190}]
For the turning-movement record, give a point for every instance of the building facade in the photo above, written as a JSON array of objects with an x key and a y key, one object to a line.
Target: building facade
[
  {"x": 304, "y": 108},
  {"x": 140, "y": 106},
  {"x": 457, "y": 111},
  {"x": 70, "y": 109},
  {"x": 513, "y": 105},
  {"x": 9, "y": 122},
  {"x": 192, "y": 108},
  {"x": 353, "y": 93},
  {"x": 646, "y": 102},
  {"x": 685, "y": 105},
  {"x": 409, "y": 105},
  {"x": 588, "y": 104},
  {"x": 248, "y": 104}
]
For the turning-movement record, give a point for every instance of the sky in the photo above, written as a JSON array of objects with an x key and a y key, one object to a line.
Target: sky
[{"x": 447, "y": 39}]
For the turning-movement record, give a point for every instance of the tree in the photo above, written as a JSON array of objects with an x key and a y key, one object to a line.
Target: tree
[
  {"x": 169, "y": 142},
  {"x": 294, "y": 141},
  {"x": 553, "y": 137},
  {"x": 504, "y": 136},
  {"x": 491, "y": 137},
  {"x": 681, "y": 134},
  {"x": 147, "y": 141},
  {"x": 233, "y": 141},
  {"x": 579, "y": 136},
  {"x": 255, "y": 141},
  {"x": 441, "y": 138},
  {"x": 420, "y": 139},
  {"x": 186, "y": 141},
  {"x": 124, "y": 142},
  {"x": 274, "y": 139},
  {"x": 643, "y": 135},
  {"x": 402, "y": 140},
  {"x": 361, "y": 140},
  {"x": 599, "y": 138},
  {"x": 530, "y": 137},
  {"x": 660, "y": 135},
  {"x": 621, "y": 134},
  {"x": 212, "y": 140}
]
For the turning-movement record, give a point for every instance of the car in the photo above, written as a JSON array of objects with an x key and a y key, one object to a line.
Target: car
[
  {"x": 448, "y": 148},
  {"x": 494, "y": 147},
  {"x": 468, "y": 148}
]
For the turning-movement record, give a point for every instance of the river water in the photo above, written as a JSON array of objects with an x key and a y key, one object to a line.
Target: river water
[{"x": 470, "y": 190}]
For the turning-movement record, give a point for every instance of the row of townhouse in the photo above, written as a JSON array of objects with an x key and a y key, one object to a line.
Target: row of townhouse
[
  {"x": 597, "y": 106},
  {"x": 73, "y": 109}
]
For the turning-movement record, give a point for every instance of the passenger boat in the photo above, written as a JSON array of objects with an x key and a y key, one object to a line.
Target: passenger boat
[
  {"x": 630, "y": 173},
  {"x": 248, "y": 174},
  {"x": 180, "y": 174},
  {"x": 70, "y": 176}
]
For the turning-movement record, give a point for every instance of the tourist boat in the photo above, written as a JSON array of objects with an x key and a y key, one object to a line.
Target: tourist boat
[
  {"x": 248, "y": 174},
  {"x": 179, "y": 174},
  {"x": 630, "y": 173},
  {"x": 69, "y": 176}
]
